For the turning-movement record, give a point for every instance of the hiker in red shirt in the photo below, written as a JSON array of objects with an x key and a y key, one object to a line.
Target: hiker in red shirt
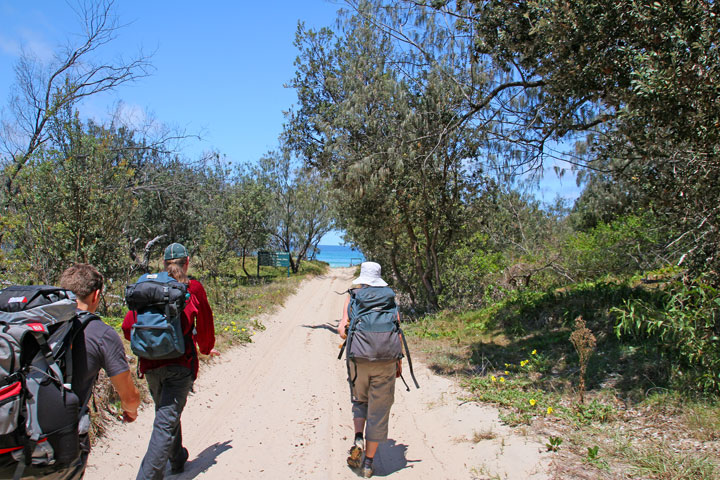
[{"x": 171, "y": 380}]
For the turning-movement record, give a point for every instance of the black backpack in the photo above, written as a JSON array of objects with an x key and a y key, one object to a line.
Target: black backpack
[
  {"x": 39, "y": 411},
  {"x": 158, "y": 301}
]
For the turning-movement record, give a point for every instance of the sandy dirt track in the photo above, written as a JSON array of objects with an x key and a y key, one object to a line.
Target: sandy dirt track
[{"x": 279, "y": 408}]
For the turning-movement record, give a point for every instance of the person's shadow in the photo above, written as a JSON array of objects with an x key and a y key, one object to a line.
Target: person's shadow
[
  {"x": 390, "y": 458},
  {"x": 325, "y": 326},
  {"x": 202, "y": 462}
]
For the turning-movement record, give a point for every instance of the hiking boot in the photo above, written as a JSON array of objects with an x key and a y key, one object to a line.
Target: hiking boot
[
  {"x": 176, "y": 468},
  {"x": 356, "y": 452},
  {"x": 367, "y": 469}
]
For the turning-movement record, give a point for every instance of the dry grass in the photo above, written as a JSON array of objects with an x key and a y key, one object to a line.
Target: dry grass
[{"x": 480, "y": 435}]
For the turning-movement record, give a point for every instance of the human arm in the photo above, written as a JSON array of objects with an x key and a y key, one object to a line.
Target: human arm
[
  {"x": 204, "y": 322},
  {"x": 342, "y": 327},
  {"x": 128, "y": 393},
  {"x": 114, "y": 362}
]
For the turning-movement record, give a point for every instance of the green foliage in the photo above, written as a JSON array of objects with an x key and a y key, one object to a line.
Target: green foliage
[
  {"x": 640, "y": 78},
  {"x": 625, "y": 245},
  {"x": 377, "y": 126},
  {"x": 71, "y": 204},
  {"x": 553, "y": 444},
  {"x": 521, "y": 401},
  {"x": 471, "y": 268},
  {"x": 592, "y": 452},
  {"x": 683, "y": 323},
  {"x": 299, "y": 214},
  {"x": 593, "y": 412}
]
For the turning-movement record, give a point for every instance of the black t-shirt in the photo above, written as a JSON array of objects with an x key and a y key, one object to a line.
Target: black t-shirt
[{"x": 102, "y": 349}]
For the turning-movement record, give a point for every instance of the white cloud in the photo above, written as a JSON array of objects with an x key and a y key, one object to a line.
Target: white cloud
[
  {"x": 9, "y": 46},
  {"x": 132, "y": 115},
  {"x": 29, "y": 41},
  {"x": 34, "y": 43}
]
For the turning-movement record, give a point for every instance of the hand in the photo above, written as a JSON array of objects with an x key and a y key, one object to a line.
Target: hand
[
  {"x": 398, "y": 370},
  {"x": 129, "y": 417},
  {"x": 213, "y": 353}
]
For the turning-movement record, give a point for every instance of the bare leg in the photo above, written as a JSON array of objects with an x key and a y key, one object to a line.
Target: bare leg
[
  {"x": 370, "y": 449},
  {"x": 359, "y": 425}
]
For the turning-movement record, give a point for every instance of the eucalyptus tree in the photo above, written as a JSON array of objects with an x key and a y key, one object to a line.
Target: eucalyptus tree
[
  {"x": 299, "y": 213},
  {"x": 635, "y": 81},
  {"x": 71, "y": 203},
  {"x": 247, "y": 212},
  {"x": 42, "y": 90},
  {"x": 383, "y": 124}
]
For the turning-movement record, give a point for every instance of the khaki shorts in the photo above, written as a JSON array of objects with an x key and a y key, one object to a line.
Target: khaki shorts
[{"x": 373, "y": 395}]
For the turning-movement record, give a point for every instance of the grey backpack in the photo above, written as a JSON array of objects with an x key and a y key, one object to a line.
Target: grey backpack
[
  {"x": 374, "y": 332},
  {"x": 39, "y": 412}
]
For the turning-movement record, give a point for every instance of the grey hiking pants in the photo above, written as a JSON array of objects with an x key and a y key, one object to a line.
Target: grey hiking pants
[
  {"x": 373, "y": 395},
  {"x": 169, "y": 387}
]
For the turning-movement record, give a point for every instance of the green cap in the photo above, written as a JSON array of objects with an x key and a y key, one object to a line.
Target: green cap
[{"x": 175, "y": 250}]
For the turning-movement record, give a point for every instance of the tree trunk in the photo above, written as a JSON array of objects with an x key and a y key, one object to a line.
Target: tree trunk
[
  {"x": 244, "y": 252},
  {"x": 401, "y": 280}
]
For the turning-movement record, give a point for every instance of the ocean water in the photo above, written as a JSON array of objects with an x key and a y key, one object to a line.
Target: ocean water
[{"x": 339, "y": 255}]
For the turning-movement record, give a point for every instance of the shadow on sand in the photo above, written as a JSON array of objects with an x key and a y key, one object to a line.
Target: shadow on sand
[
  {"x": 203, "y": 461},
  {"x": 391, "y": 458},
  {"x": 325, "y": 326}
]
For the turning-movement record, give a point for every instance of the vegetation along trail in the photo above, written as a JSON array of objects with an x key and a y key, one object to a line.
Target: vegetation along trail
[{"x": 279, "y": 408}]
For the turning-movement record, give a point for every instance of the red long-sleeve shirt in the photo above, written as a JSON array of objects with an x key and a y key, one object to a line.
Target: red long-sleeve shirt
[{"x": 197, "y": 320}]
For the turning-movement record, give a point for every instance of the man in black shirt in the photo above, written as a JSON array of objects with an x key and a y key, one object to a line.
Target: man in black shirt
[{"x": 103, "y": 349}]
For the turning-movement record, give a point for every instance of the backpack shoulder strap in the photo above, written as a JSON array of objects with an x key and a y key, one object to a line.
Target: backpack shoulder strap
[
  {"x": 83, "y": 318},
  {"x": 86, "y": 317}
]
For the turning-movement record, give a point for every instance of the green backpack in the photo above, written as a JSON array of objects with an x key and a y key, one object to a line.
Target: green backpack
[{"x": 374, "y": 332}]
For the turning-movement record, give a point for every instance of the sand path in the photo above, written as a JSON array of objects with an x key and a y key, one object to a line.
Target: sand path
[{"x": 279, "y": 408}]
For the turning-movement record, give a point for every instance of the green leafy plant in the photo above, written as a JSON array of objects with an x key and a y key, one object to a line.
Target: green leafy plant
[
  {"x": 593, "y": 412},
  {"x": 683, "y": 324},
  {"x": 592, "y": 452},
  {"x": 553, "y": 444}
]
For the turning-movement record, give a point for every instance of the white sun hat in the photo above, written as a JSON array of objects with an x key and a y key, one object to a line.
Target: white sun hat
[{"x": 370, "y": 275}]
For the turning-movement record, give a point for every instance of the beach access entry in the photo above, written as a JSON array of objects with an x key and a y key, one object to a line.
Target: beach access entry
[{"x": 273, "y": 259}]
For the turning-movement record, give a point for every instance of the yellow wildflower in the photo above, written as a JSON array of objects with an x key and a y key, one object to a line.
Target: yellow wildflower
[
  {"x": 507, "y": 372},
  {"x": 493, "y": 378},
  {"x": 243, "y": 329},
  {"x": 533, "y": 352},
  {"x": 502, "y": 379},
  {"x": 532, "y": 402},
  {"x": 232, "y": 323},
  {"x": 549, "y": 410}
]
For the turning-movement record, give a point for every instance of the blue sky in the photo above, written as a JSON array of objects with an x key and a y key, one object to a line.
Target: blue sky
[
  {"x": 219, "y": 71},
  {"x": 219, "y": 67}
]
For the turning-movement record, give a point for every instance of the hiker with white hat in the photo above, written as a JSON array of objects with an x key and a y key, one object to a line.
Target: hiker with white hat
[{"x": 374, "y": 360}]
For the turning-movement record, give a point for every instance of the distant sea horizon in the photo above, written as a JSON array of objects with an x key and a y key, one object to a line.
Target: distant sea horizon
[{"x": 339, "y": 255}]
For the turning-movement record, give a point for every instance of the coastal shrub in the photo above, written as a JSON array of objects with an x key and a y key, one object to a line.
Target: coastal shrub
[
  {"x": 683, "y": 324},
  {"x": 623, "y": 246},
  {"x": 471, "y": 271}
]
